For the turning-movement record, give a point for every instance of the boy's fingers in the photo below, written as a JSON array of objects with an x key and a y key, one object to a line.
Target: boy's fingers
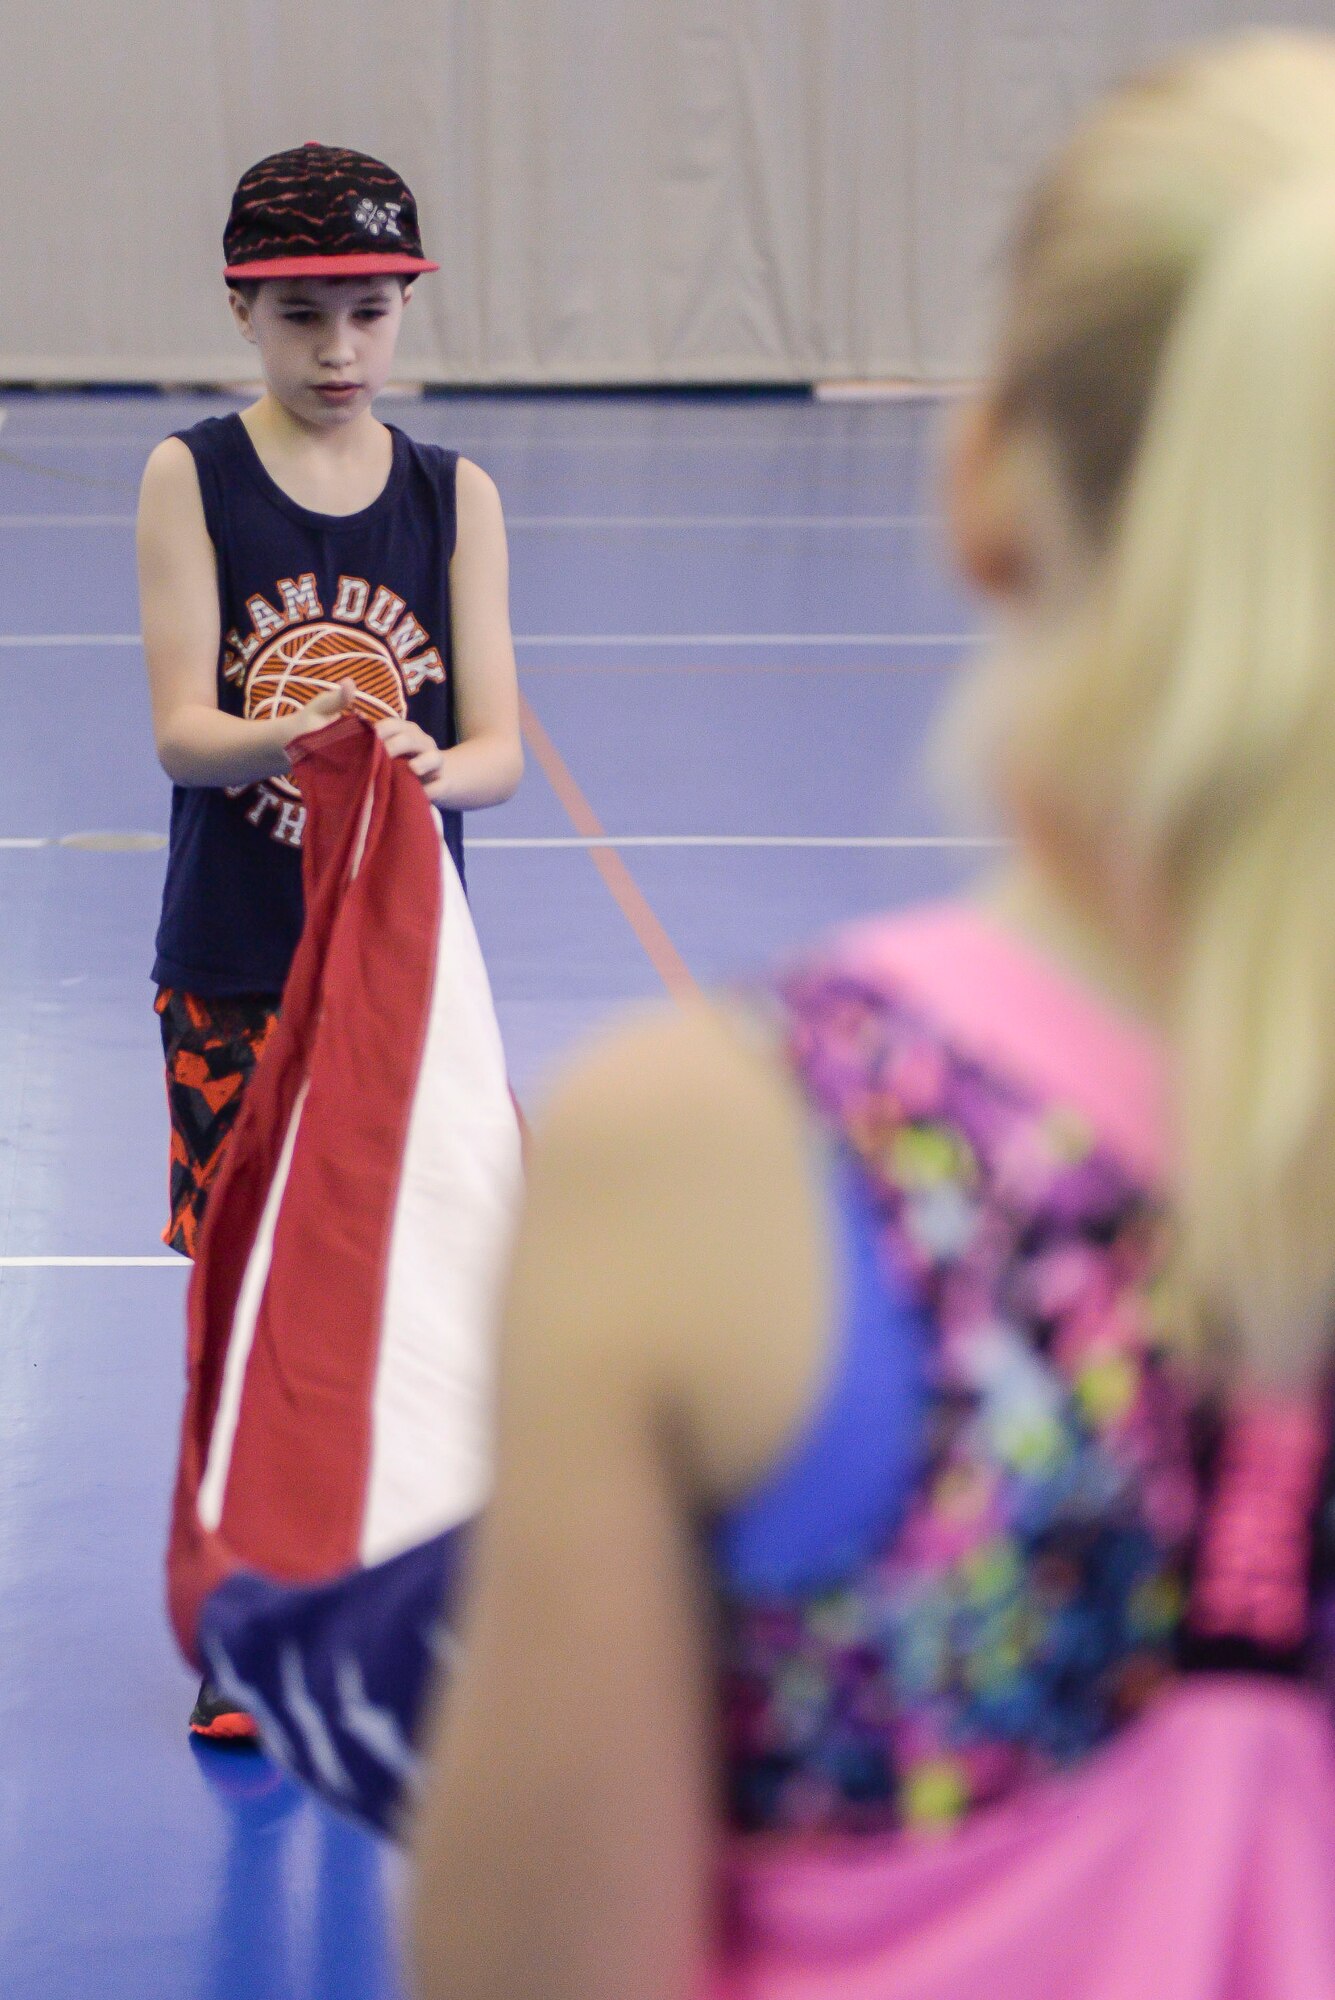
[
  {"x": 333, "y": 701},
  {"x": 323, "y": 708},
  {"x": 405, "y": 739}
]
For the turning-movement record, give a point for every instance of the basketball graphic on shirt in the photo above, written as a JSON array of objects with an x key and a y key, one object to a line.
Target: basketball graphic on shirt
[{"x": 312, "y": 660}]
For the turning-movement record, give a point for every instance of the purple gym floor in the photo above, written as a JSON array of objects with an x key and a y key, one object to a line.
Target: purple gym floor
[{"x": 735, "y": 629}]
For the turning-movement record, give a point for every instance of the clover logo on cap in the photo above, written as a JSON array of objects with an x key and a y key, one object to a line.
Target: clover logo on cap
[{"x": 378, "y": 218}]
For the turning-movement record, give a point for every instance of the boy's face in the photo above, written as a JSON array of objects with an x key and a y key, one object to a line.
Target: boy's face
[{"x": 326, "y": 344}]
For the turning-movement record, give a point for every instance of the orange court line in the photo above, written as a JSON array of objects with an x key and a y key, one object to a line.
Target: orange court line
[{"x": 621, "y": 885}]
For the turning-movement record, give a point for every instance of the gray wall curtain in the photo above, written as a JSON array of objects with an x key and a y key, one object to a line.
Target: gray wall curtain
[{"x": 618, "y": 190}]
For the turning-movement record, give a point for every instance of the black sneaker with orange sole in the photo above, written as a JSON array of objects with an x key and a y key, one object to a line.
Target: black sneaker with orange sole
[{"x": 220, "y": 1720}]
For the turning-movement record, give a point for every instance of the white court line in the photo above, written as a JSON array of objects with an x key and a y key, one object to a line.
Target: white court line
[
  {"x": 853, "y": 639},
  {"x": 554, "y": 843},
  {"x": 94, "y": 1263},
  {"x": 720, "y": 520},
  {"x": 124, "y": 840},
  {"x": 17, "y": 641},
  {"x": 66, "y": 520},
  {"x": 74, "y": 440},
  {"x": 776, "y": 446},
  {"x": 839, "y": 840},
  {"x": 575, "y": 521},
  {"x": 20, "y": 640}
]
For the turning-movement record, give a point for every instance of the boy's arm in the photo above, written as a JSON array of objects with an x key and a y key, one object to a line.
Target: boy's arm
[
  {"x": 197, "y": 743},
  {"x": 485, "y": 766}
]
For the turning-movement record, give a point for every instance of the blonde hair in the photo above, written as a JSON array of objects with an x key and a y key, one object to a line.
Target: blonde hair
[{"x": 1171, "y": 330}]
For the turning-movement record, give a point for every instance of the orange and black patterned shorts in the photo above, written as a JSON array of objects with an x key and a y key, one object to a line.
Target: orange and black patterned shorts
[{"x": 211, "y": 1047}]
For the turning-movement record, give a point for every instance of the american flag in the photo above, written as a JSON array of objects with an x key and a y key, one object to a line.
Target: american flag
[{"x": 337, "y": 1424}]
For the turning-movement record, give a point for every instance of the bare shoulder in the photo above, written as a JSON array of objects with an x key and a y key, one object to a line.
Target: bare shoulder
[
  {"x": 674, "y": 1184},
  {"x": 171, "y": 508},
  {"x": 178, "y": 594},
  {"x": 476, "y": 484},
  {"x": 170, "y": 470},
  {"x": 476, "y": 495}
]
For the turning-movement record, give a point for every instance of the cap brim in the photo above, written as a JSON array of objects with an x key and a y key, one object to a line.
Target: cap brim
[{"x": 357, "y": 264}]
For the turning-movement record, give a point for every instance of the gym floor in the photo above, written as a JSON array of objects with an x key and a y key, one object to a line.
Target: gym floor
[{"x": 734, "y": 630}]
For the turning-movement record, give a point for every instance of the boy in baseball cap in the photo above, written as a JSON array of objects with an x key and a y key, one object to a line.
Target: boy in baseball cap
[
  {"x": 322, "y": 212},
  {"x": 296, "y": 560}
]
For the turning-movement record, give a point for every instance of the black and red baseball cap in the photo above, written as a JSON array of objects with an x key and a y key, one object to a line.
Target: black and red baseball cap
[{"x": 322, "y": 212}]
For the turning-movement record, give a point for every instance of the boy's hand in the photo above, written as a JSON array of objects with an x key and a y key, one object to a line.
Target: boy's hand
[
  {"x": 405, "y": 739},
  {"x": 324, "y": 709}
]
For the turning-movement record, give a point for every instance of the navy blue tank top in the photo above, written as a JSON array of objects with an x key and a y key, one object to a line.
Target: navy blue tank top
[{"x": 306, "y": 600}]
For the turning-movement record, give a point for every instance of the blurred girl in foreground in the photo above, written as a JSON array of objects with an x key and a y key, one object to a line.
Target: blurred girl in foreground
[{"x": 911, "y": 1383}]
